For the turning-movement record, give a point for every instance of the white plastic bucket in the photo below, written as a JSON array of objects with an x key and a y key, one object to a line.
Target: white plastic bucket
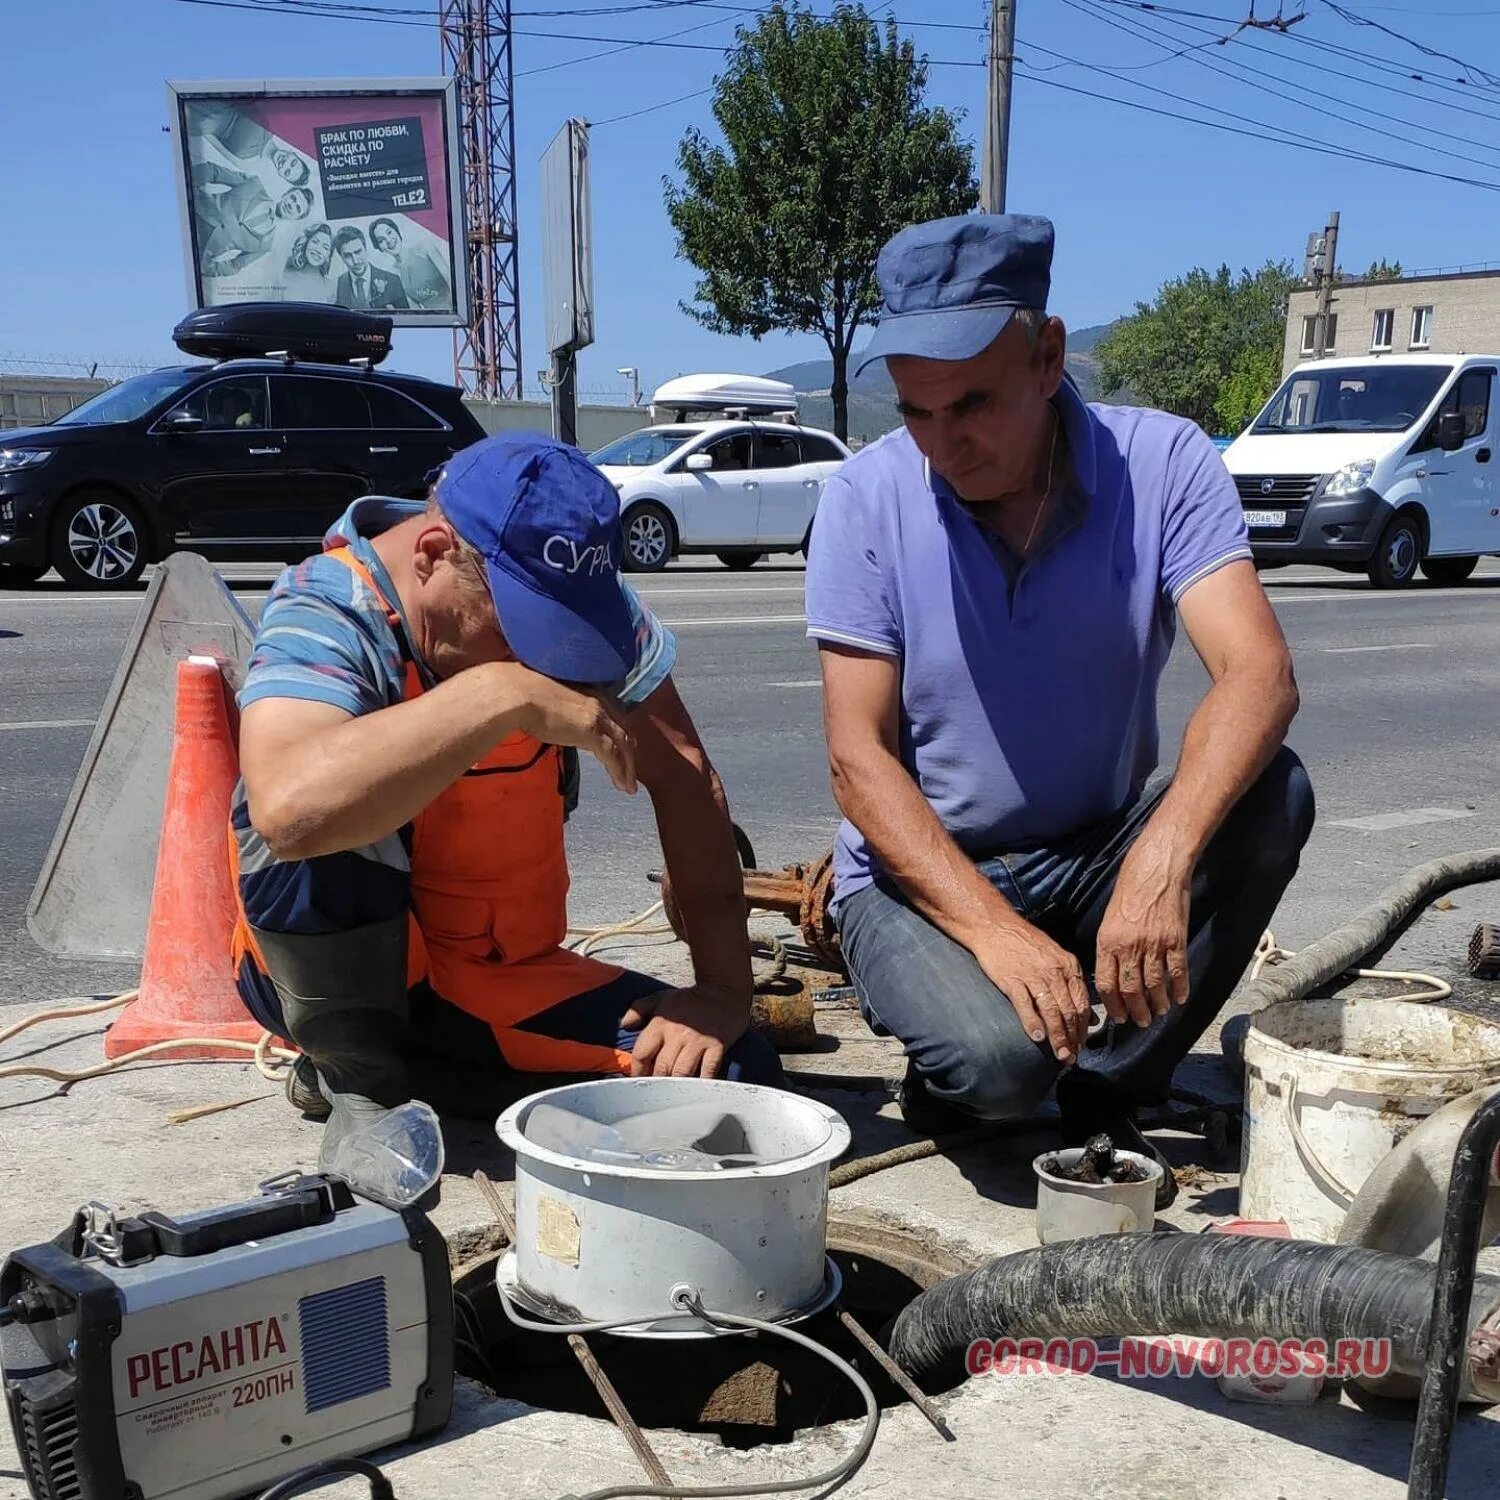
[
  {"x": 1070, "y": 1210},
  {"x": 600, "y": 1241},
  {"x": 1331, "y": 1087}
]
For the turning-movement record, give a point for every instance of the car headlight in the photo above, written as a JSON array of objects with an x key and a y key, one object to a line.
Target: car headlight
[
  {"x": 12, "y": 459},
  {"x": 1350, "y": 478}
]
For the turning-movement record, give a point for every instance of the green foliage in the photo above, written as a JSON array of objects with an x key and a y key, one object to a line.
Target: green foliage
[
  {"x": 1255, "y": 374},
  {"x": 828, "y": 149},
  {"x": 1381, "y": 270},
  {"x": 1208, "y": 347}
]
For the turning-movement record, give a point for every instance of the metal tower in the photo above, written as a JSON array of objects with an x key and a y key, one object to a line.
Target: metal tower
[{"x": 477, "y": 52}]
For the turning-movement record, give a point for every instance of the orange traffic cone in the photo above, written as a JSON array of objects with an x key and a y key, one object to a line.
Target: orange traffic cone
[{"x": 187, "y": 985}]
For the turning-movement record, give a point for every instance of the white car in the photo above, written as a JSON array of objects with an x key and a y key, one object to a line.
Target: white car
[{"x": 738, "y": 488}]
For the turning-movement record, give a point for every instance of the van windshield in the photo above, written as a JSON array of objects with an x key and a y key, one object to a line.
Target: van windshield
[{"x": 1367, "y": 398}]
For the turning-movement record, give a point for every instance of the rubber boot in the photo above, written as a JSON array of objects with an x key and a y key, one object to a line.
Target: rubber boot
[
  {"x": 344, "y": 999},
  {"x": 1090, "y": 1105}
]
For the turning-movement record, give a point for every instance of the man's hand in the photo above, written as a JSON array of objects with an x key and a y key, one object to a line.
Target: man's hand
[
  {"x": 685, "y": 1033},
  {"x": 560, "y": 715},
  {"x": 1140, "y": 956},
  {"x": 1043, "y": 983}
]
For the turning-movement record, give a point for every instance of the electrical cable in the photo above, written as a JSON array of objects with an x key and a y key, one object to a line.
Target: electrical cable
[
  {"x": 359, "y": 1468},
  {"x": 1250, "y": 44},
  {"x": 1324, "y": 149},
  {"x": 1433, "y": 988},
  {"x": 1303, "y": 99},
  {"x": 830, "y": 1480}
]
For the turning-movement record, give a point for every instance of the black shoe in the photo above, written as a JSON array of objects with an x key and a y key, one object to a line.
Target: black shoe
[
  {"x": 1090, "y": 1106},
  {"x": 925, "y": 1115},
  {"x": 303, "y": 1091}
]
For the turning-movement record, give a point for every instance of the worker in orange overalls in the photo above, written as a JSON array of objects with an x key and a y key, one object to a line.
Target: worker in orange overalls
[{"x": 411, "y": 722}]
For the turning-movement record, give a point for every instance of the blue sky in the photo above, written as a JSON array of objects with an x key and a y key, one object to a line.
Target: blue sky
[{"x": 90, "y": 263}]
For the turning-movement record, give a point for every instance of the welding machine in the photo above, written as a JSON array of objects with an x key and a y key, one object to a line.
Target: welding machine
[{"x": 208, "y": 1356}]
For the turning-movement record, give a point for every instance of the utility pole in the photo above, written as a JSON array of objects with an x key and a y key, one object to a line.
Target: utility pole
[
  {"x": 997, "y": 110},
  {"x": 1327, "y": 269}
]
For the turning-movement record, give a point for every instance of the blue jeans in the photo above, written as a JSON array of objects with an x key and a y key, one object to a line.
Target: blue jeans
[{"x": 961, "y": 1034}]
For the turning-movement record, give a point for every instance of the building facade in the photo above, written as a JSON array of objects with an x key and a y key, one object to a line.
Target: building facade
[
  {"x": 31, "y": 400},
  {"x": 1457, "y": 314}
]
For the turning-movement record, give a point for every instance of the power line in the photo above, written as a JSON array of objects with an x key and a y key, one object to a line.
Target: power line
[
  {"x": 1321, "y": 69},
  {"x": 1301, "y": 98},
  {"x": 1321, "y": 149},
  {"x": 652, "y": 108},
  {"x": 1355, "y": 19},
  {"x": 1368, "y": 59}
]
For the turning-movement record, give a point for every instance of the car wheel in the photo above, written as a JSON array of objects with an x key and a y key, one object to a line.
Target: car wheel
[
  {"x": 98, "y": 541},
  {"x": 1448, "y": 570},
  {"x": 1398, "y": 555},
  {"x": 648, "y": 539},
  {"x": 20, "y": 575},
  {"x": 739, "y": 561}
]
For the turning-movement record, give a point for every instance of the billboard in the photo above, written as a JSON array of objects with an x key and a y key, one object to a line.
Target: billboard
[
  {"x": 567, "y": 240},
  {"x": 346, "y": 192}
]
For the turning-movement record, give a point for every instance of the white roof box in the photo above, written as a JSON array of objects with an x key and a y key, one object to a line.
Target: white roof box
[{"x": 721, "y": 394}]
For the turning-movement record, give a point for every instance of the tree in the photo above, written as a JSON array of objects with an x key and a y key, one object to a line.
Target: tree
[
  {"x": 1209, "y": 347},
  {"x": 1380, "y": 270},
  {"x": 828, "y": 150}
]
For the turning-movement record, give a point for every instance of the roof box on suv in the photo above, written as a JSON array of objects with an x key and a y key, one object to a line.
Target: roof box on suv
[
  {"x": 748, "y": 395},
  {"x": 284, "y": 330}
]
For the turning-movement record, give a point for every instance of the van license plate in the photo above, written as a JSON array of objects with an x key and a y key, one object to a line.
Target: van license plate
[{"x": 1265, "y": 518}]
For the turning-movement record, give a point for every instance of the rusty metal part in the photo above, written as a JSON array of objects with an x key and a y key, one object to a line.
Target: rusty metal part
[
  {"x": 497, "y": 1206},
  {"x": 786, "y": 1019},
  {"x": 897, "y": 1374},
  {"x": 585, "y": 1356},
  {"x": 618, "y": 1412},
  {"x": 1484, "y": 951},
  {"x": 799, "y": 892}
]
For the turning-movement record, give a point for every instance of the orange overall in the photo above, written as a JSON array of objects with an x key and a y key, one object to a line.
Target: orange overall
[{"x": 489, "y": 886}]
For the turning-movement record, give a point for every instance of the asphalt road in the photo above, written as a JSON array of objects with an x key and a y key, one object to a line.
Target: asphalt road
[{"x": 1399, "y": 725}]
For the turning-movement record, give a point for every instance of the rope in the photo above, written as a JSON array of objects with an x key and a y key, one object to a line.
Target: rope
[
  {"x": 271, "y": 1061},
  {"x": 591, "y": 937},
  {"x": 1267, "y": 951}
]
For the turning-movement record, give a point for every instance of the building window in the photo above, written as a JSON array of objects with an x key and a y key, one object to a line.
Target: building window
[
  {"x": 1332, "y": 341},
  {"x": 1310, "y": 334},
  {"x": 1385, "y": 324},
  {"x": 1421, "y": 327}
]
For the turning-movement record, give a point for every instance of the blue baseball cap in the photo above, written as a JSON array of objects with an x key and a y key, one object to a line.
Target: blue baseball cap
[
  {"x": 949, "y": 287},
  {"x": 548, "y": 524}
]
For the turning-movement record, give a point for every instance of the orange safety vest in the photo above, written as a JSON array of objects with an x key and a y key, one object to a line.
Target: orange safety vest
[{"x": 489, "y": 888}]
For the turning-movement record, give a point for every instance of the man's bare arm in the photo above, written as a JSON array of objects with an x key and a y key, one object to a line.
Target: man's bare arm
[
  {"x": 1141, "y": 961},
  {"x": 318, "y": 780},
  {"x": 690, "y": 1030},
  {"x": 861, "y": 705}
]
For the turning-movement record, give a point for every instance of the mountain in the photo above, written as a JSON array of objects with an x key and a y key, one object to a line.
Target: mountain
[{"x": 872, "y": 397}]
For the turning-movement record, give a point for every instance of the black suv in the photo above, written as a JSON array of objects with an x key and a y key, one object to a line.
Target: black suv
[{"x": 245, "y": 459}]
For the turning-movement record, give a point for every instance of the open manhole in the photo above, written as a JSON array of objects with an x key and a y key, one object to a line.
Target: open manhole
[{"x": 746, "y": 1390}]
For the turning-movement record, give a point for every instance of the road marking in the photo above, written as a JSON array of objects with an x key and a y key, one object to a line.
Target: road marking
[
  {"x": 1374, "y": 596},
  {"x": 49, "y": 724},
  {"x": 710, "y": 593},
  {"x": 1394, "y": 646},
  {"x": 742, "y": 620},
  {"x": 801, "y": 682},
  {"x": 1411, "y": 818}
]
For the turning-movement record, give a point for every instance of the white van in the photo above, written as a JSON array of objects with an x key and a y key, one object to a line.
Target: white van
[{"x": 1384, "y": 464}]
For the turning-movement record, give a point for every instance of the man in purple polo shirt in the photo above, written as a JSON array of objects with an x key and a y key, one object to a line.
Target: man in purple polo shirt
[{"x": 995, "y": 589}]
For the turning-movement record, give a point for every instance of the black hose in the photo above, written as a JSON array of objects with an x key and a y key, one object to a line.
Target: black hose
[
  {"x": 1371, "y": 932},
  {"x": 1204, "y": 1285}
]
